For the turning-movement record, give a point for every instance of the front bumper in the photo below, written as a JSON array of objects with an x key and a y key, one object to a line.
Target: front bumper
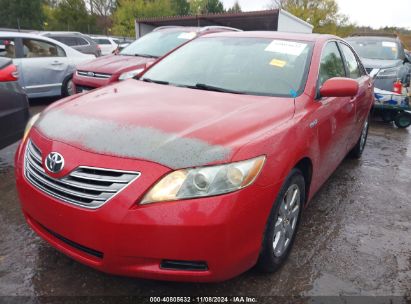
[
  {"x": 82, "y": 83},
  {"x": 124, "y": 238}
]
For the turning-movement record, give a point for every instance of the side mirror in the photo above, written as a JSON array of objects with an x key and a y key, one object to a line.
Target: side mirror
[{"x": 339, "y": 87}]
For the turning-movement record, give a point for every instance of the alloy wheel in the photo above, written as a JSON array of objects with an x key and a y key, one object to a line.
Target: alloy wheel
[{"x": 287, "y": 219}]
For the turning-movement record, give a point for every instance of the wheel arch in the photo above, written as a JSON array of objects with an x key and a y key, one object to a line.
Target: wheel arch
[{"x": 305, "y": 165}]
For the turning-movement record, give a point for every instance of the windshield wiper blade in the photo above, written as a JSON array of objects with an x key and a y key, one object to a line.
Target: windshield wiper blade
[
  {"x": 145, "y": 55},
  {"x": 206, "y": 87},
  {"x": 155, "y": 81}
]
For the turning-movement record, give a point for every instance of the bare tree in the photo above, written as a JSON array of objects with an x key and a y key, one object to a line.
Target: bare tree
[{"x": 103, "y": 9}]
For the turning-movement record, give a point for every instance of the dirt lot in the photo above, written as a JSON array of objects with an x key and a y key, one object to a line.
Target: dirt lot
[{"x": 355, "y": 239}]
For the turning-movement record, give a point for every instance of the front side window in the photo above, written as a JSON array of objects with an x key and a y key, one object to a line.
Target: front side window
[
  {"x": 7, "y": 47},
  {"x": 254, "y": 66},
  {"x": 351, "y": 62},
  {"x": 331, "y": 64},
  {"x": 34, "y": 48},
  {"x": 157, "y": 44}
]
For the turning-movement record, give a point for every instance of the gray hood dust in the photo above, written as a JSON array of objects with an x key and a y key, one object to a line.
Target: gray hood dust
[{"x": 129, "y": 141}]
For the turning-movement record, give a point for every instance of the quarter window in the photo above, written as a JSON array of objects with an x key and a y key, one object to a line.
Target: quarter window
[
  {"x": 331, "y": 63},
  {"x": 351, "y": 62},
  {"x": 81, "y": 41},
  {"x": 38, "y": 48}
]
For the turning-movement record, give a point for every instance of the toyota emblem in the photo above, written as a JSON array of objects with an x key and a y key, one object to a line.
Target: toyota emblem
[{"x": 54, "y": 162}]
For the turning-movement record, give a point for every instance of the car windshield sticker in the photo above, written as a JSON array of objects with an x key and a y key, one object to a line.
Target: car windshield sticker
[
  {"x": 187, "y": 36},
  {"x": 389, "y": 44},
  {"x": 286, "y": 47},
  {"x": 278, "y": 63}
]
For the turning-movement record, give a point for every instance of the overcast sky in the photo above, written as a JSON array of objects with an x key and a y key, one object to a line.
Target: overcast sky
[{"x": 362, "y": 12}]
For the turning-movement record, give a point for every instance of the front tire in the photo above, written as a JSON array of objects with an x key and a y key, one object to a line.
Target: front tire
[{"x": 282, "y": 223}]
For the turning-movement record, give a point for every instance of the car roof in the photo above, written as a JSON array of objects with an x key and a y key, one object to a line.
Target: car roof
[
  {"x": 177, "y": 28},
  {"x": 61, "y": 33},
  {"x": 276, "y": 35},
  {"x": 27, "y": 35},
  {"x": 20, "y": 34}
]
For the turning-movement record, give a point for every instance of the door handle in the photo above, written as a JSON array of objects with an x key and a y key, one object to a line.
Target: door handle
[{"x": 57, "y": 63}]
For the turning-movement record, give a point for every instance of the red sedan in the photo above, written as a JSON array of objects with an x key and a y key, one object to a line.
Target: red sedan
[{"x": 200, "y": 169}]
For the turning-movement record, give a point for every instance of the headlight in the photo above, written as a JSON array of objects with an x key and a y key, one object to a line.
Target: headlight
[
  {"x": 29, "y": 125},
  {"x": 205, "y": 181},
  {"x": 388, "y": 73},
  {"x": 130, "y": 74}
]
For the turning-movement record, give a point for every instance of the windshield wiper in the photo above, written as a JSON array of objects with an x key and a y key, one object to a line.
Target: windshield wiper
[
  {"x": 145, "y": 55},
  {"x": 155, "y": 81},
  {"x": 206, "y": 87}
]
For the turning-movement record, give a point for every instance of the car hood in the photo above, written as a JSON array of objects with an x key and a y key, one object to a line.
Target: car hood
[
  {"x": 176, "y": 127},
  {"x": 113, "y": 64},
  {"x": 380, "y": 64}
]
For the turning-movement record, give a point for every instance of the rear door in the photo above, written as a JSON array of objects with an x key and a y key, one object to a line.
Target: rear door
[
  {"x": 44, "y": 67},
  {"x": 356, "y": 71}
]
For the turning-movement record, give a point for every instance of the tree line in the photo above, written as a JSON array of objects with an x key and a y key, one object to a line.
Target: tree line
[
  {"x": 116, "y": 17},
  {"x": 98, "y": 16}
]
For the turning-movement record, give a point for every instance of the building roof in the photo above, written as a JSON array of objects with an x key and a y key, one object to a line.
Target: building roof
[{"x": 247, "y": 21}]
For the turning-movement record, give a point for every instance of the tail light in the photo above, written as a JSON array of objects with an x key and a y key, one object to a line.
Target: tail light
[{"x": 9, "y": 73}]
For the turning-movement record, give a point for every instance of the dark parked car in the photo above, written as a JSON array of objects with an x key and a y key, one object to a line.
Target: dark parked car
[
  {"x": 384, "y": 58},
  {"x": 14, "y": 107},
  {"x": 77, "y": 41}
]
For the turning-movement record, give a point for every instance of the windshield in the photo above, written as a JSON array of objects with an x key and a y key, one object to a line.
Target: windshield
[
  {"x": 157, "y": 44},
  {"x": 255, "y": 66},
  {"x": 376, "y": 49}
]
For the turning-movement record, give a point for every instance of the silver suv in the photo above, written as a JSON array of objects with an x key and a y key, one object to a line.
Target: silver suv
[{"x": 77, "y": 41}]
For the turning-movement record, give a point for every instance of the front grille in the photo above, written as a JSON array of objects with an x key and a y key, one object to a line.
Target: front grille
[
  {"x": 85, "y": 186},
  {"x": 93, "y": 74}
]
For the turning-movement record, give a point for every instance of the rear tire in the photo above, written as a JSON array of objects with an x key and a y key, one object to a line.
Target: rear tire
[
  {"x": 403, "y": 120},
  {"x": 358, "y": 149},
  {"x": 67, "y": 88},
  {"x": 282, "y": 223}
]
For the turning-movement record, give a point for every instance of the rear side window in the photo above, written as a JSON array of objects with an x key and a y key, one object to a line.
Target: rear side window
[
  {"x": 34, "y": 48},
  {"x": 7, "y": 48},
  {"x": 331, "y": 64},
  {"x": 70, "y": 41},
  {"x": 81, "y": 41},
  {"x": 351, "y": 62}
]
